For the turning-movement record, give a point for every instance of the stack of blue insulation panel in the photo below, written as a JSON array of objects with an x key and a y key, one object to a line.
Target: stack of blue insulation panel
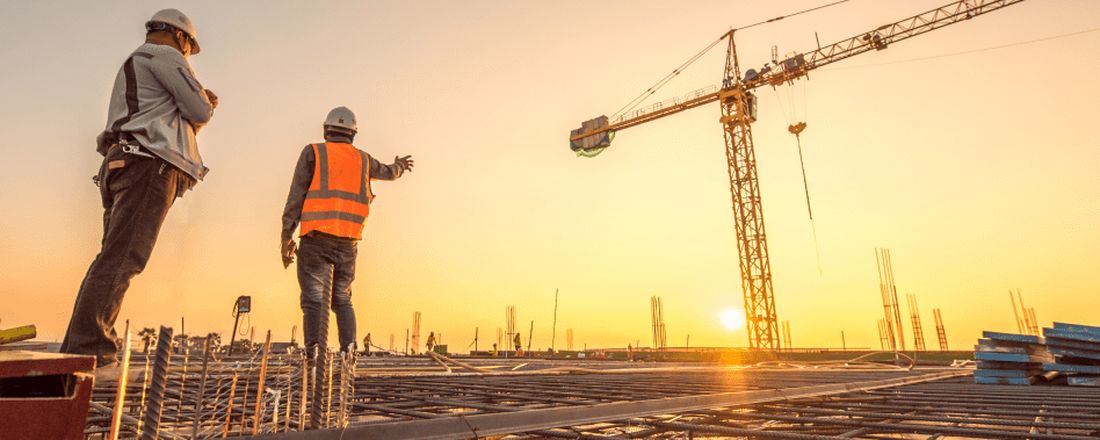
[
  {"x": 1076, "y": 350},
  {"x": 1010, "y": 359}
]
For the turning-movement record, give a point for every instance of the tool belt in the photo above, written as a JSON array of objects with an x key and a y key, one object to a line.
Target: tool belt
[{"x": 129, "y": 145}]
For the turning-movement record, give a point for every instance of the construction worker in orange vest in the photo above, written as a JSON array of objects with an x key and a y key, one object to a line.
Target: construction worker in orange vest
[{"x": 330, "y": 196}]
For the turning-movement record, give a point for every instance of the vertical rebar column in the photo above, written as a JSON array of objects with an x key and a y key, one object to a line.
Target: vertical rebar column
[
  {"x": 416, "y": 333},
  {"x": 289, "y": 398},
  {"x": 183, "y": 376},
  {"x": 940, "y": 333},
  {"x": 328, "y": 388},
  {"x": 653, "y": 318},
  {"x": 260, "y": 385},
  {"x": 347, "y": 380},
  {"x": 229, "y": 411},
  {"x": 155, "y": 400},
  {"x": 304, "y": 389},
  {"x": 1016, "y": 312},
  {"x": 202, "y": 385},
  {"x": 894, "y": 300},
  {"x": 918, "y": 327},
  {"x": 120, "y": 393},
  {"x": 321, "y": 365},
  {"x": 244, "y": 401},
  {"x": 146, "y": 377}
]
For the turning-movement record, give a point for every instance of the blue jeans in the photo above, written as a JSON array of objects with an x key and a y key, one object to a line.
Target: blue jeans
[{"x": 326, "y": 268}]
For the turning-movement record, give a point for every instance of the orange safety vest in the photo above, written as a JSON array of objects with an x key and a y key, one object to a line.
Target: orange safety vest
[{"x": 339, "y": 197}]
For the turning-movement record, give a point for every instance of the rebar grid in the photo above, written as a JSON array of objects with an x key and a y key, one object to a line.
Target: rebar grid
[
  {"x": 952, "y": 408},
  {"x": 381, "y": 391}
]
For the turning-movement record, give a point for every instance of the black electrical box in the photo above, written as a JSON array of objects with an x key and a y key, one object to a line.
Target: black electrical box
[{"x": 244, "y": 304}]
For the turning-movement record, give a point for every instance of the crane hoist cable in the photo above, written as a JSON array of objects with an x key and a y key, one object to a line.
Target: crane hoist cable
[{"x": 796, "y": 130}]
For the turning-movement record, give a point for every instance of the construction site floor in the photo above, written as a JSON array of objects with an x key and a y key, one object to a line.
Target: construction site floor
[{"x": 422, "y": 397}]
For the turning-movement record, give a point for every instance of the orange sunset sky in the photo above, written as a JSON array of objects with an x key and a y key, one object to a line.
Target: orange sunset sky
[{"x": 979, "y": 169}]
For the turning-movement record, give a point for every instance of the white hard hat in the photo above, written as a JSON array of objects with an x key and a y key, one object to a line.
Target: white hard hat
[
  {"x": 176, "y": 19},
  {"x": 341, "y": 118}
]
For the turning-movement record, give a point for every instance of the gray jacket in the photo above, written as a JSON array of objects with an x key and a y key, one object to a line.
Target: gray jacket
[{"x": 159, "y": 104}]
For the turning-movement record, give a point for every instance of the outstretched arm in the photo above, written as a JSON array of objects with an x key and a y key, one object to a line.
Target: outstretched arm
[{"x": 380, "y": 171}]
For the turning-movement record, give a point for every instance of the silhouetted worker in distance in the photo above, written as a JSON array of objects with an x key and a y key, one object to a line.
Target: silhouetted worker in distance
[
  {"x": 366, "y": 344},
  {"x": 431, "y": 341},
  {"x": 519, "y": 345},
  {"x": 330, "y": 196},
  {"x": 150, "y": 157}
]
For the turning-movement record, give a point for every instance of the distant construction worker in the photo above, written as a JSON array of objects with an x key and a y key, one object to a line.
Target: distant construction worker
[
  {"x": 519, "y": 345},
  {"x": 366, "y": 344},
  {"x": 150, "y": 157},
  {"x": 493, "y": 352},
  {"x": 430, "y": 345},
  {"x": 330, "y": 196}
]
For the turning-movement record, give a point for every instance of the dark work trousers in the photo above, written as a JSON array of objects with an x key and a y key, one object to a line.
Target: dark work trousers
[
  {"x": 137, "y": 192},
  {"x": 326, "y": 268}
]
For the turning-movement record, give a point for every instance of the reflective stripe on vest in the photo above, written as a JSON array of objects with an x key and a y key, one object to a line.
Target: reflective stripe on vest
[{"x": 338, "y": 201}]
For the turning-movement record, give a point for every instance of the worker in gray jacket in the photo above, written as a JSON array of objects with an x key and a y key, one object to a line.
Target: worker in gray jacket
[{"x": 150, "y": 158}]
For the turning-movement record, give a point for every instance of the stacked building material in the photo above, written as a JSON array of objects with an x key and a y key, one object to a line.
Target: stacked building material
[
  {"x": 1076, "y": 350},
  {"x": 1009, "y": 359}
]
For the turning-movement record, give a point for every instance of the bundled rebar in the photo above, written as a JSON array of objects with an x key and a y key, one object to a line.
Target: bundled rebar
[{"x": 155, "y": 399}]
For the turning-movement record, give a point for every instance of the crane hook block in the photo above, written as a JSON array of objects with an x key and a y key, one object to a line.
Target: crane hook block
[{"x": 592, "y": 138}]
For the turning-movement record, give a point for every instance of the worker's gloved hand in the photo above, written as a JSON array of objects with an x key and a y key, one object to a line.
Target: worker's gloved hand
[
  {"x": 213, "y": 98},
  {"x": 287, "y": 252},
  {"x": 406, "y": 163}
]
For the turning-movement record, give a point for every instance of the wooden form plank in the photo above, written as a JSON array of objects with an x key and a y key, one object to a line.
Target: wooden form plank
[{"x": 1010, "y": 337}]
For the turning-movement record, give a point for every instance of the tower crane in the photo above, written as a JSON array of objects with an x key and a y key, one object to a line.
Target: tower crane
[{"x": 738, "y": 112}]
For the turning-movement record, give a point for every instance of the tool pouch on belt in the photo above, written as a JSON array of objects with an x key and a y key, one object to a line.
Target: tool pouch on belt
[
  {"x": 103, "y": 144},
  {"x": 104, "y": 141}
]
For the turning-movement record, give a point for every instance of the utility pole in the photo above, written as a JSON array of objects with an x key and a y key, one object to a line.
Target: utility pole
[
  {"x": 554, "y": 328},
  {"x": 529, "y": 334}
]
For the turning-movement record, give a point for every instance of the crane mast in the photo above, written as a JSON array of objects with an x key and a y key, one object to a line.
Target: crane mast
[
  {"x": 738, "y": 113},
  {"x": 738, "y": 106}
]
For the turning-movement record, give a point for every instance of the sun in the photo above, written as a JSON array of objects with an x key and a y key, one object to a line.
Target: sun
[{"x": 732, "y": 319}]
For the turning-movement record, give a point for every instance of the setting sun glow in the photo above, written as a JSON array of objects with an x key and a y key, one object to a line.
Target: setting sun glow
[{"x": 732, "y": 319}]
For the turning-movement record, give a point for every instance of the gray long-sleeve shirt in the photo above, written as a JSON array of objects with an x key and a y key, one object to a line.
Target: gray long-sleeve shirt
[
  {"x": 303, "y": 177},
  {"x": 158, "y": 102}
]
